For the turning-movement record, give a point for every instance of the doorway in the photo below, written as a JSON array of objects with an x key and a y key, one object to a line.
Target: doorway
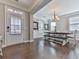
[{"x": 14, "y": 24}]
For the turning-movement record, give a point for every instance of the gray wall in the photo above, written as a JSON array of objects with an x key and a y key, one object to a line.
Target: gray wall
[
  {"x": 63, "y": 23},
  {"x": 2, "y": 20},
  {"x": 40, "y": 32},
  {"x": 27, "y": 26}
]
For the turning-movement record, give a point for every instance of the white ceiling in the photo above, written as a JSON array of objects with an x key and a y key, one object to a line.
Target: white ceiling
[
  {"x": 61, "y": 7},
  {"x": 24, "y": 4},
  {"x": 29, "y": 4}
]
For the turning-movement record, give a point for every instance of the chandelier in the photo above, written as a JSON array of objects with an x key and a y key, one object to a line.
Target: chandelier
[{"x": 55, "y": 18}]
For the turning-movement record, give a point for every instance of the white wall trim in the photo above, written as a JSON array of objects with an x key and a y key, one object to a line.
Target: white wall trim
[
  {"x": 14, "y": 5},
  {"x": 31, "y": 41},
  {"x": 28, "y": 41},
  {"x": 3, "y": 46},
  {"x": 65, "y": 13}
]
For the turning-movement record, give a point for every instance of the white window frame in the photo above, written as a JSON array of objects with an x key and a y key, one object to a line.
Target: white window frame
[
  {"x": 19, "y": 26},
  {"x": 53, "y": 26},
  {"x": 74, "y": 21}
]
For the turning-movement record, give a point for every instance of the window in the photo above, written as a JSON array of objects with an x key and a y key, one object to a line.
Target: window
[
  {"x": 74, "y": 23},
  {"x": 15, "y": 24},
  {"x": 41, "y": 25},
  {"x": 53, "y": 26},
  {"x": 46, "y": 26}
]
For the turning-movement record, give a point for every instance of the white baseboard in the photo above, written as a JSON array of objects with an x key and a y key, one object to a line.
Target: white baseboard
[
  {"x": 3, "y": 46},
  {"x": 29, "y": 41}
]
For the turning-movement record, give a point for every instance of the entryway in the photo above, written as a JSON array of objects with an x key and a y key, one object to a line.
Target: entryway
[{"x": 14, "y": 25}]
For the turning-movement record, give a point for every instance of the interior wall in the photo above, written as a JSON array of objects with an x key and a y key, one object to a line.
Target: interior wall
[
  {"x": 2, "y": 21},
  {"x": 31, "y": 27},
  {"x": 27, "y": 27},
  {"x": 40, "y": 32},
  {"x": 63, "y": 23},
  {"x": 26, "y": 30}
]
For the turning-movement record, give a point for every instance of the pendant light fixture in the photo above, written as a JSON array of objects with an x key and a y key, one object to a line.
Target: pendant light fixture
[{"x": 55, "y": 18}]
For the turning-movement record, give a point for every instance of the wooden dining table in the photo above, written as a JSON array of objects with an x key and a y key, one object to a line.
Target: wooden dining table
[
  {"x": 61, "y": 33},
  {"x": 58, "y": 35}
]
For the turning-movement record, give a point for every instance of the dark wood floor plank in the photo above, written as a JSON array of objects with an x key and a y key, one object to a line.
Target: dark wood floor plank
[{"x": 40, "y": 50}]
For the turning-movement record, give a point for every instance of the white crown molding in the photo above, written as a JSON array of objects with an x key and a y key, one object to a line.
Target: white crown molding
[
  {"x": 13, "y": 5},
  {"x": 16, "y": 5},
  {"x": 65, "y": 13},
  {"x": 37, "y": 3}
]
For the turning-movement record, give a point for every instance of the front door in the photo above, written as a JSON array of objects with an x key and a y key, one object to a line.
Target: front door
[{"x": 13, "y": 27}]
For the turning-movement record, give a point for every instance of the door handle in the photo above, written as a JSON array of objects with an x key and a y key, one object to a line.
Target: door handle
[{"x": 8, "y": 28}]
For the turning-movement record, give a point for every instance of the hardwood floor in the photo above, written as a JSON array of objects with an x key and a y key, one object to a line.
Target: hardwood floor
[{"x": 40, "y": 50}]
